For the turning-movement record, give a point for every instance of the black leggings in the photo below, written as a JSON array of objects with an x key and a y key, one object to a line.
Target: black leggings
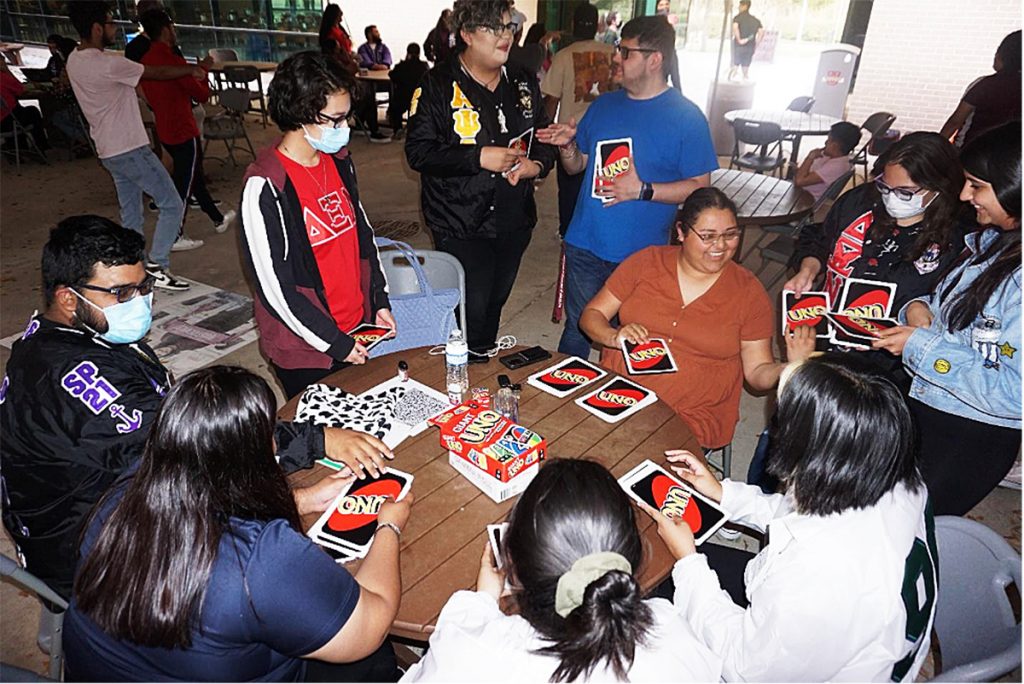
[
  {"x": 379, "y": 666},
  {"x": 962, "y": 460},
  {"x": 728, "y": 563},
  {"x": 188, "y": 176},
  {"x": 491, "y": 266}
]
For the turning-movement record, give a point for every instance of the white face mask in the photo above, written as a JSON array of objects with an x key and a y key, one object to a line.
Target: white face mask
[{"x": 904, "y": 209}]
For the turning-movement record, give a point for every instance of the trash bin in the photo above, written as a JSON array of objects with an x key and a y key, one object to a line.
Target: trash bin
[
  {"x": 730, "y": 95},
  {"x": 834, "y": 78}
]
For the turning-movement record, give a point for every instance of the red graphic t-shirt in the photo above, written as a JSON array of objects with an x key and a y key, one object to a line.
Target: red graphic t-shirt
[{"x": 331, "y": 228}]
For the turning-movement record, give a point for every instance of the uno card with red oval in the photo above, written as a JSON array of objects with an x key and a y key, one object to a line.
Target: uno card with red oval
[
  {"x": 867, "y": 298},
  {"x": 370, "y": 335},
  {"x": 566, "y": 376},
  {"x": 807, "y": 309},
  {"x": 349, "y": 522},
  {"x": 613, "y": 159},
  {"x": 861, "y": 328},
  {"x": 648, "y": 358},
  {"x": 617, "y": 400},
  {"x": 653, "y": 485}
]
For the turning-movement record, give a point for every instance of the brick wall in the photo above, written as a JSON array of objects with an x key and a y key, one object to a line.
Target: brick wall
[{"x": 920, "y": 55}]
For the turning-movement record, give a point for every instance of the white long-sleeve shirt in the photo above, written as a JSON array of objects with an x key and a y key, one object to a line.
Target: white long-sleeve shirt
[
  {"x": 475, "y": 642},
  {"x": 844, "y": 597}
]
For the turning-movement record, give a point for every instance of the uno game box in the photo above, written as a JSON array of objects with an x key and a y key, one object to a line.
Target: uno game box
[{"x": 488, "y": 440}]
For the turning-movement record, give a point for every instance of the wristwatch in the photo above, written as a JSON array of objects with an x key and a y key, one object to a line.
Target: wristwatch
[
  {"x": 391, "y": 526},
  {"x": 646, "y": 192}
]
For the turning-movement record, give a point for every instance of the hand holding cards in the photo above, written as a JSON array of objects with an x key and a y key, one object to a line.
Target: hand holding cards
[
  {"x": 648, "y": 358},
  {"x": 864, "y": 309},
  {"x": 370, "y": 335},
  {"x": 654, "y": 486},
  {"x": 349, "y": 523},
  {"x": 808, "y": 309},
  {"x": 613, "y": 159},
  {"x": 521, "y": 144}
]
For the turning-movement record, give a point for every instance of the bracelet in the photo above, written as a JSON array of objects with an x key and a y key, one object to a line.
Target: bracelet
[
  {"x": 570, "y": 148},
  {"x": 391, "y": 526}
]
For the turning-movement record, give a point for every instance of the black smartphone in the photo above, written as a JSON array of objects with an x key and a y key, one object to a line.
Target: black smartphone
[{"x": 525, "y": 357}]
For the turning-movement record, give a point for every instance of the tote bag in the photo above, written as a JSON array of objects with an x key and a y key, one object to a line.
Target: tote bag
[{"x": 424, "y": 318}]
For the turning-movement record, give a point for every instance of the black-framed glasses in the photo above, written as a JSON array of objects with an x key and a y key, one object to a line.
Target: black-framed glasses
[
  {"x": 499, "y": 29},
  {"x": 124, "y": 293},
  {"x": 335, "y": 121},
  {"x": 731, "y": 235},
  {"x": 902, "y": 193},
  {"x": 627, "y": 51}
]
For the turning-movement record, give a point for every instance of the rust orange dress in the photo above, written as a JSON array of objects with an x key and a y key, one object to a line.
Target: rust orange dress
[{"x": 704, "y": 336}]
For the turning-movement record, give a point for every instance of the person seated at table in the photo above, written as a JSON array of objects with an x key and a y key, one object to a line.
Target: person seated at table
[
  {"x": 906, "y": 228},
  {"x": 374, "y": 54},
  {"x": 825, "y": 165},
  {"x": 961, "y": 344},
  {"x": 845, "y": 588},
  {"x": 195, "y": 567},
  {"x": 713, "y": 314},
  {"x": 405, "y": 77},
  {"x": 59, "y": 47},
  {"x": 11, "y": 110},
  {"x": 571, "y": 555},
  {"x": 306, "y": 240}
]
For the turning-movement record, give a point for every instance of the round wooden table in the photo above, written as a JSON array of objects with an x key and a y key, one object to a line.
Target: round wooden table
[
  {"x": 763, "y": 200},
  {"x": 795, "y": 125},
  {"x": 262, "y": 67},
  {"x": 446, "y": 532}
]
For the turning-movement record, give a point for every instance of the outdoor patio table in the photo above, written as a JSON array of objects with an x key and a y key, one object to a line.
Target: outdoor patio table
[
  {"x": 793, "y": 124},
  {"x": 446, "y": 532},
  {"x": 378, "y": 76},
  {"x": 762, "y": 199}
]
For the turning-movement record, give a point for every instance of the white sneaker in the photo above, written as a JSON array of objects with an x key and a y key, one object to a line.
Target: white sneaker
[
  {"x": 164, "y": 279},
  {"x": 185, "y": 243},
  {"x": 1012, "y": 479},
  {"x": 229, "y": 216}
]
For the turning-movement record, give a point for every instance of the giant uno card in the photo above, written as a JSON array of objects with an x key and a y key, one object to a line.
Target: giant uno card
[
  {"x": 617, "y": 400},
  {"x": 653, "y": 485},
  {"x": 370, "y": 335},
  {"x": 566, "y": 376},
  {"x": 612, "y": 158},
  {"x": 808, "y": 309},
  {"x": 866, "y": 298},
  {"x": 648, "y": 358},
  {"x": 349, "y": 522}
]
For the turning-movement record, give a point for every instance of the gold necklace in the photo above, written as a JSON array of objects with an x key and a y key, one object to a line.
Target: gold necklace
[
  {"x": 320, "y": 164},
  {"x": 473, "y": 76}
]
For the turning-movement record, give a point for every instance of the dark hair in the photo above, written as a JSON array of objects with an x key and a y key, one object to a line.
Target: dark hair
[
  {"x": 301, "y": 86},
  {"x": 1009, "y": 52},
  {"x": 745, "y": 3},
  {"x": 932, "y": 162},
  {"x": 209, "y": 457},
  {"x": 54, "y": 38},
  {"x": 84, "y": 13},
  {"x": 468, "y": 15},
  {"x": 78, "y": 243},
  {"x": 154, "y": 22},
  {"x": 656, "y": 33},
  {"x": 535, "y": 33},
  {"x": 330, "y": 18},
  {"x": 584, "y": 21},
  {"x": 413, "y": 50},
  {"x": 144, "y": 6},
  {"x": 994, "y": 157},
  {"x": 841, "y": 436},
  {"x": 697, "y": 203},
  {"x": 574, "y": 508},
  {"x": 846, "y": 134},
  {"x": 444, "y": 23},
  {"x": 368, "y": 30}
]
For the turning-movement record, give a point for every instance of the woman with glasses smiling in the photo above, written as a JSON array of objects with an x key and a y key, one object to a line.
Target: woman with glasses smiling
[
  {"x": 477, "y": 185},
  {"x": 905, "y": 228},
  {"x": 713, "y": 314}
]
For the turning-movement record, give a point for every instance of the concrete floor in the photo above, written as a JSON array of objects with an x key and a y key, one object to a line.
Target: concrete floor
[{"x": 41, "y": 195}]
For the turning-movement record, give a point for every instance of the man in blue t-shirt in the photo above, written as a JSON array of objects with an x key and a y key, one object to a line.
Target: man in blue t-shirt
[{"x": 636, "y": 196}]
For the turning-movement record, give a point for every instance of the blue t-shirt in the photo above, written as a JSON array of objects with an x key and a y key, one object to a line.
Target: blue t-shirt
[
  {"x": 273, "y": 596},
  {"x": 671, "y": 142}
]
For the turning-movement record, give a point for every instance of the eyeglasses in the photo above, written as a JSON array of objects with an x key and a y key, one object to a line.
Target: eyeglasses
[
  {"x": 727, "y": 236},
  {"x": 627, "y": 51},
  {"x": 903, "y": 193},
  {"x": 335, "y": 121},
  {"x": 124, "y": 293},
  {"x": 499, "y": 29}
]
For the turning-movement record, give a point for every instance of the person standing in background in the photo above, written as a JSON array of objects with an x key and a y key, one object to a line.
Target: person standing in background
[
  {"x": 579, "y": 74},
  {"x": 746, "y": 34},
  {"x": 406, "y": 75},
  {"x": 991, "y": 100},
  {"x": 612, "y": 23},
  {"x": 438, "y": 45}
]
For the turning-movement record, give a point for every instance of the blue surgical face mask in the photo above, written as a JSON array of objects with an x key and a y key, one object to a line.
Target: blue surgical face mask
[
  {"x": 331, "y": 139},
  {"x": 127, "y": 322}
]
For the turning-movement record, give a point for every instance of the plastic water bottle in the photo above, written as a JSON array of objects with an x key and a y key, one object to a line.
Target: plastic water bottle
[{"x": 456, "y": 357}]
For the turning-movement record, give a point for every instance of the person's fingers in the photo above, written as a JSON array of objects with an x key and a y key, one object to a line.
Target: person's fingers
[
  {"x": 656, "y": 515},
  {"x": 377, "y": 444},
  {"x": 891, "y": 332}
]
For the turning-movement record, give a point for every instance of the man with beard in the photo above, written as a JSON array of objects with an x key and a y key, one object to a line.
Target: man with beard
[{"x": 82, "y": 390}]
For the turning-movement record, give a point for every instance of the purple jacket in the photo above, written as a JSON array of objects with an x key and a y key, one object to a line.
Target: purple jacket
[{"x": 375, "y": 54}]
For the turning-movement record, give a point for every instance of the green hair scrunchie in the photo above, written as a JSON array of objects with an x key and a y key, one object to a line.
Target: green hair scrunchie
[{"x": 572, "y": 585}]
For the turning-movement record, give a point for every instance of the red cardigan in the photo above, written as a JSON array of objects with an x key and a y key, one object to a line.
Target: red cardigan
[{"x": 171, "y": 101}]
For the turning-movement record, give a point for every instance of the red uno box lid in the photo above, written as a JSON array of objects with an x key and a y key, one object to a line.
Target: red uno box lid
[{"x": 488, "y": 440}]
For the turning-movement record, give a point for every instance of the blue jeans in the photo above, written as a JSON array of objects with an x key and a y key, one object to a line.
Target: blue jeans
[
  {"x": 585, "y": 275},
  {"x": 139, "y": 171}
]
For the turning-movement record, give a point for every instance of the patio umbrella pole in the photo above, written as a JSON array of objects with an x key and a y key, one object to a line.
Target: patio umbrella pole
[{"x": 726, "y": 11}]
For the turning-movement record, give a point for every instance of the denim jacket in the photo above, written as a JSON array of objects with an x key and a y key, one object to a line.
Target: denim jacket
[{"x": 979, "y": 379}]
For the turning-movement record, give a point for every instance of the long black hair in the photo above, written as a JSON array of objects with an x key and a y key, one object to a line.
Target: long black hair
[
  {"x": 209, "y": 457},
  {"x": 574, "y": 508},
  {"x": 931, "y": 161},
  {"x": 994, "y": 157},
  {"x": 841, "y": 436},
  {"x": 330, "y": 19}
]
